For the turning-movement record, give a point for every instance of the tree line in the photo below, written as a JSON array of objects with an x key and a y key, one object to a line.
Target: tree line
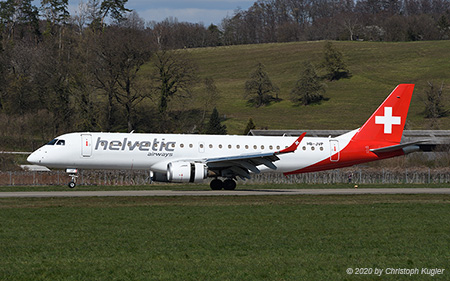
[
  {"x": 105, "y": 69},
  {"x": 62, "y": 73},
  {"x": 269, "y": 21},
  {"x": 379, "y": 20}
]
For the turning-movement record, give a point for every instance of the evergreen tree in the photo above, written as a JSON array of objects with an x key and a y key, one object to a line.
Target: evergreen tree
[
  {"x": 258, "y": 88},
  {"x": 214, "y": 126},
  {"x": 308, "y": 88},
  {"x": 250, "y": 126},
  {"x": 334, "y": 64},
  {"x": 434, "y": 107}
]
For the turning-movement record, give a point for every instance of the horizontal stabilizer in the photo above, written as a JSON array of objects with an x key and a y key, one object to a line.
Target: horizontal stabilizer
[{"x": 396, "y": 147}]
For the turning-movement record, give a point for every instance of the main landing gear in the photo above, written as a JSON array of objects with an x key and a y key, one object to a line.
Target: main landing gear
[
  {"x": 228, "y": 184},
  {"x": 73, "y": 175}
]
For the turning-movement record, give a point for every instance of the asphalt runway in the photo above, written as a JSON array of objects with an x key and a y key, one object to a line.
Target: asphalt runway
[{"x": 242, "y": 192}]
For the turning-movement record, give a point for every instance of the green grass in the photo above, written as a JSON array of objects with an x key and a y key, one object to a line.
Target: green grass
[
  {"x": 204, "y": 186},
  {"x": 222, "y": 238},
  {"x": 377, "y": 67}
]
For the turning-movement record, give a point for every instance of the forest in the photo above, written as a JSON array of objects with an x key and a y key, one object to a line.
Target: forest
[{"x": 104, "y": 68}]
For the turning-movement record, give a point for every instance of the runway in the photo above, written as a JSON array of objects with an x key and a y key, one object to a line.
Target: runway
[{"x": 242, "y": 192}]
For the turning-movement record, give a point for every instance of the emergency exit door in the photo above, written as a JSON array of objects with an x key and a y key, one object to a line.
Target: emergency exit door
[
  {"x": 86, "y": 145},
  {"x": 334, "y": 150}
]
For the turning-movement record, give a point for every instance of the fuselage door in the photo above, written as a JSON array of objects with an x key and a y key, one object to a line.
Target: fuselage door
[
  {"x": 86, "y": 145},
  {"x": 334, "y": 151}
]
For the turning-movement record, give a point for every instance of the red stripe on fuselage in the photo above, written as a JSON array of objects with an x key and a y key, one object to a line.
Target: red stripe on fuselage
[{"x": 354, "y": 153}]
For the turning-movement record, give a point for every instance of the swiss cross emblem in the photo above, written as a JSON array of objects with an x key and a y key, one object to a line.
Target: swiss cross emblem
[{"x": 388, "y": 120}]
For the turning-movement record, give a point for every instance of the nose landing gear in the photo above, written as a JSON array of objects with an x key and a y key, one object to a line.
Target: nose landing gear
[{"x": 73, "y": 174}]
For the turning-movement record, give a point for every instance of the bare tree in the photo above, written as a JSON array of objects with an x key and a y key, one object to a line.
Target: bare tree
[
  {"x": 120, "y": 54},
  {"x": 174, "y": 75}
]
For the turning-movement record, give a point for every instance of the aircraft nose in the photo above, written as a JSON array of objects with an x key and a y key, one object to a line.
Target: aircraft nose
[{"x": 34, "y": 158}]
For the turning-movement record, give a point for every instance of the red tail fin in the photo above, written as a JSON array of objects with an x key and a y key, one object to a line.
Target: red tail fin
[{"x": 387, "y": 122}]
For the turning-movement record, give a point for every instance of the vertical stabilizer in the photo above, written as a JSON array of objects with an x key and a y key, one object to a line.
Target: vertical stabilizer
[{"x": 387, "y": 123}]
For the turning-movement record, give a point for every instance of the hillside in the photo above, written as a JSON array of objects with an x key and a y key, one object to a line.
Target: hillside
[{"x": 376, "y": 67}]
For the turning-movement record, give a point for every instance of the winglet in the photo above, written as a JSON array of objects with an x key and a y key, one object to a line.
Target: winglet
[{"x": 293, "y": 146}]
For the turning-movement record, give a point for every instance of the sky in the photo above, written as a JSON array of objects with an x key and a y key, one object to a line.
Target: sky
[{"x": 194, "y": 11}]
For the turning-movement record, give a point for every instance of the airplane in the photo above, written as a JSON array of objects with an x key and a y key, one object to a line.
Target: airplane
[{"x": 184, "y": 158}]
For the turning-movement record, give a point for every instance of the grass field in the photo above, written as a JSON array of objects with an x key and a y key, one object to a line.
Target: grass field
[
  {"x": 205, "y": 186},
  {"x": 376, "y": 67},
  {"x": 223, "y": 238}
]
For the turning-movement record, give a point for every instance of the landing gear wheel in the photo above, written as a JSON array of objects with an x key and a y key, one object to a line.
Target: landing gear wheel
[
  {"x": 216, "y": 184},
  {"x": 229, "y": 184},
  {"x": 73, "y": 175}
]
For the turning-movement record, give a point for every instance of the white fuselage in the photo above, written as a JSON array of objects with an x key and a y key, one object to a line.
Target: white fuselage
[{"x": 154, "y": 151}]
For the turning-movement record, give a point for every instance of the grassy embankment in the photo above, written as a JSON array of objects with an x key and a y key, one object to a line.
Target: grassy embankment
[
  {"x": 376, "y": 68},
  {"x": 222, "y": 238}
]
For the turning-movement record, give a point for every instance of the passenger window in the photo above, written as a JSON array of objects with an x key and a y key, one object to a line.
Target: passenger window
[{"x": 61, "y": 142}]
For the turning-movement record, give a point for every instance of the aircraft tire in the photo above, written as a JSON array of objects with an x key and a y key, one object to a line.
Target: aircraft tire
[
  {"x": 72, "y": 184},
  {"x": 216, "y": 184},
  {"x": 229, "y": 184}
]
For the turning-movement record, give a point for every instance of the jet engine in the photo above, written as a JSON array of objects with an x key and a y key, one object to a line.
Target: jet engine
[
  {"x": 186, "y": 172},
  {"x": 181, "y": 172}
]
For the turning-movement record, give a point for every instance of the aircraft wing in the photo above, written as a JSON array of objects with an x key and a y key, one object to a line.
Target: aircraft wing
[{"x": 241, "y": 165}]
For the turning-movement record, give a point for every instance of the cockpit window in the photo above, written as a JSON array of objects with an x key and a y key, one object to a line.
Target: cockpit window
[
  {"x": 52, "y": 142},
  {"x": 57, "y": 142}
]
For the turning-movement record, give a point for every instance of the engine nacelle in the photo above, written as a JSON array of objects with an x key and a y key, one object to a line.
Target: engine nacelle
[
  {"x": 158, "y": 177},
  {"x": 186, "y": 172}
]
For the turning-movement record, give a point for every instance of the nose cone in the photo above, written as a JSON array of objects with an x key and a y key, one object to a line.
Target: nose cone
[{"x": 34, "y": 158}]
